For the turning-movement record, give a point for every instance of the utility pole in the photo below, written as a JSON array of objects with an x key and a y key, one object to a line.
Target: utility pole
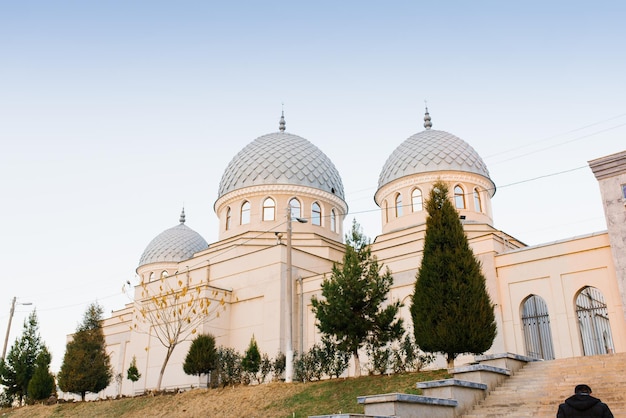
[
  {"x": 289, "y": 300},
  {"x": 11, "y": 312},
  {"x": 289, "y": 306},
  {"x": 6, "y": 338}
]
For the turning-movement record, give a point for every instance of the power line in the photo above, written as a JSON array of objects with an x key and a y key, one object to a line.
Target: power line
[
  {"x": 73, "y": 305},
  {"x": 544, "y": 176},
  {"x": 489, "y": 189},
  {"x": 557, "y": 135},
  {"x": 559, "y": 144}
]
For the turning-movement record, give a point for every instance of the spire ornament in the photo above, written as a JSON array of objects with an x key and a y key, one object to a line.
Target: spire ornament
[
  {"x": 427, "y": 123},
  {"x": 282, "y": 124},
  {"x": 182, "y": 216}
]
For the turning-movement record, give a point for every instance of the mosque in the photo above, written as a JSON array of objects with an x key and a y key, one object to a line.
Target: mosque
[{"x": 281, "y": 207}]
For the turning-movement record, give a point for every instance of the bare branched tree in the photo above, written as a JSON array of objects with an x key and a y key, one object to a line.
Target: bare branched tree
[{"x": 172, "y": 309}]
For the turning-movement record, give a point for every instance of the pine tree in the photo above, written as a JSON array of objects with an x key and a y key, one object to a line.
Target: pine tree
[
  {"x": 251, "y": 362},
  {"x": 352, "y": 312},
  {"x": 17, "y": 369},
  {"x": 201, "y": 357},
  {"x": 132, "y": 373},
  {"x": 41, "y": 386},
  {"x": 451, "y": 310},
  {"x": 86, "y": 364}
]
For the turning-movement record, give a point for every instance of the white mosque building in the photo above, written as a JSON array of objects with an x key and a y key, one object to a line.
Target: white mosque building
[{"x": 562, "y": 299}]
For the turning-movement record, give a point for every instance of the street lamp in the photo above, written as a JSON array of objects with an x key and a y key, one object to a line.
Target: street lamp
[
  {"x": 289, "y": 301},
  {"x": 6, "y": 338}
]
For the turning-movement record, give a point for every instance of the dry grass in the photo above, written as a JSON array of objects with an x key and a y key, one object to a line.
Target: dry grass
[{"x": 268, "y": 400}]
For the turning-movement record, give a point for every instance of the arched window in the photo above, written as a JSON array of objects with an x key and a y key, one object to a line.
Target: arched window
[
  {"x": 536, "y": 327},
  {"x": 593, "y": 320},
  {"x": 245, "y": 213},
  {"x": 316, "y": 214},
  {"x": 478, "y": 207},
  {"x": 152, "y": 276},
  {"x": 398, "y": 205},
  {"x": 228, "y": 217},
  {"x": 459, "y": 197},
  {"x": 295, "y": 208},
  {"x": 333, "y": 220},
  {"x": 269, "y": 209},
  {"x": 164, "y": 274},
  {"x": 416, "y": 200}
]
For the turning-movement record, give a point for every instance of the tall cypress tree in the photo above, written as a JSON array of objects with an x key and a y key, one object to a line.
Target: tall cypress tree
[
  {"x": 86, "y": 364},
  {"x": 451, "y": 310}
]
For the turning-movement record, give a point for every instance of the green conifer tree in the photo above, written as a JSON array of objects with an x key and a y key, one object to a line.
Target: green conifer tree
[
  {"x": 17, "y": 369},
  {"x": 352, "y": 312},
  {"x": 132, "y": 373},
  {"x": 201, "y": 357},
  {"x": 451, "y": 310},
  {"x": 251, "y": 362},
  {"x": 41, "y": 386},
  {"x": 86, "y": 364}
]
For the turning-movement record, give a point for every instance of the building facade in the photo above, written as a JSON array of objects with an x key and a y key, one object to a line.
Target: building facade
[{"x": 281, "y": 207}]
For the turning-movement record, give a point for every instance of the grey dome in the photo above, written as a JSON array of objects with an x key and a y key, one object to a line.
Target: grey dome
[
  {"x": 175, "y": 244},
  {"x": 281, "y": 158},
  {"x": 428, "y": 151}
]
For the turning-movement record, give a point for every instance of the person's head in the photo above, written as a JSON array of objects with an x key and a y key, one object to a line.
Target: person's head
[{"x": 583, "y": 389}]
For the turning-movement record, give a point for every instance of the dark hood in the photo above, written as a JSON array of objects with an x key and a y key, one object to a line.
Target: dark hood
[{"x": 581, "y": 402}]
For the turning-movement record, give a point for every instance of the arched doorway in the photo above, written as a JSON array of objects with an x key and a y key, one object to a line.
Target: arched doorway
[
  {"x": 593, "y": 321},
  {"x": 536, "y": 328}
]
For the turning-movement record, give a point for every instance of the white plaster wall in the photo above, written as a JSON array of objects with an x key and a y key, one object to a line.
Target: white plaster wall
[{"x": 558, "y": 272}]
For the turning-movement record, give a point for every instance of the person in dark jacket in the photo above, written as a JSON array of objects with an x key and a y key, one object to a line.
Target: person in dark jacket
[{"x": 582, "y": 405}]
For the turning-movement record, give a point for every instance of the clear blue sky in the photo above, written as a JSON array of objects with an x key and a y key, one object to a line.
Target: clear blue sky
[{"x": 115, "y": 114}]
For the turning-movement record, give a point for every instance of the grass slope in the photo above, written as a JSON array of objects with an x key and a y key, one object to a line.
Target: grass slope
[{"x": 268, "y": 400}]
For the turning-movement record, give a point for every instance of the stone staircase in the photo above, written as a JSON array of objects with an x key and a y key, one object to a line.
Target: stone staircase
[
  {"x": 505, "y": 385},
  {"x": 537, "y": 389}
]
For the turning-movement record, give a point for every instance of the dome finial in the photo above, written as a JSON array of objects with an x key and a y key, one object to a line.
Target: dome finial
[
  {"x": 427, "y": 123},
  {"x": 182, "y": 216},
  {"x": 282, "y": 120}
]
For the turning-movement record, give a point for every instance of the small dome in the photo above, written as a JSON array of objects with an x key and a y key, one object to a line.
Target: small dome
[
  {"x": 281, "y": 158},
  {"x": 428, "y": 151},
  {"x": 175, "y": 244}
]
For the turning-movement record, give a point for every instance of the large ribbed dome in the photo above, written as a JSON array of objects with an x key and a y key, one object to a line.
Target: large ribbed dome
[
  {"x": 281, "y": 158},
  {"x": 175, "y": 244},
  {"x": 428, "y": 151}
]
